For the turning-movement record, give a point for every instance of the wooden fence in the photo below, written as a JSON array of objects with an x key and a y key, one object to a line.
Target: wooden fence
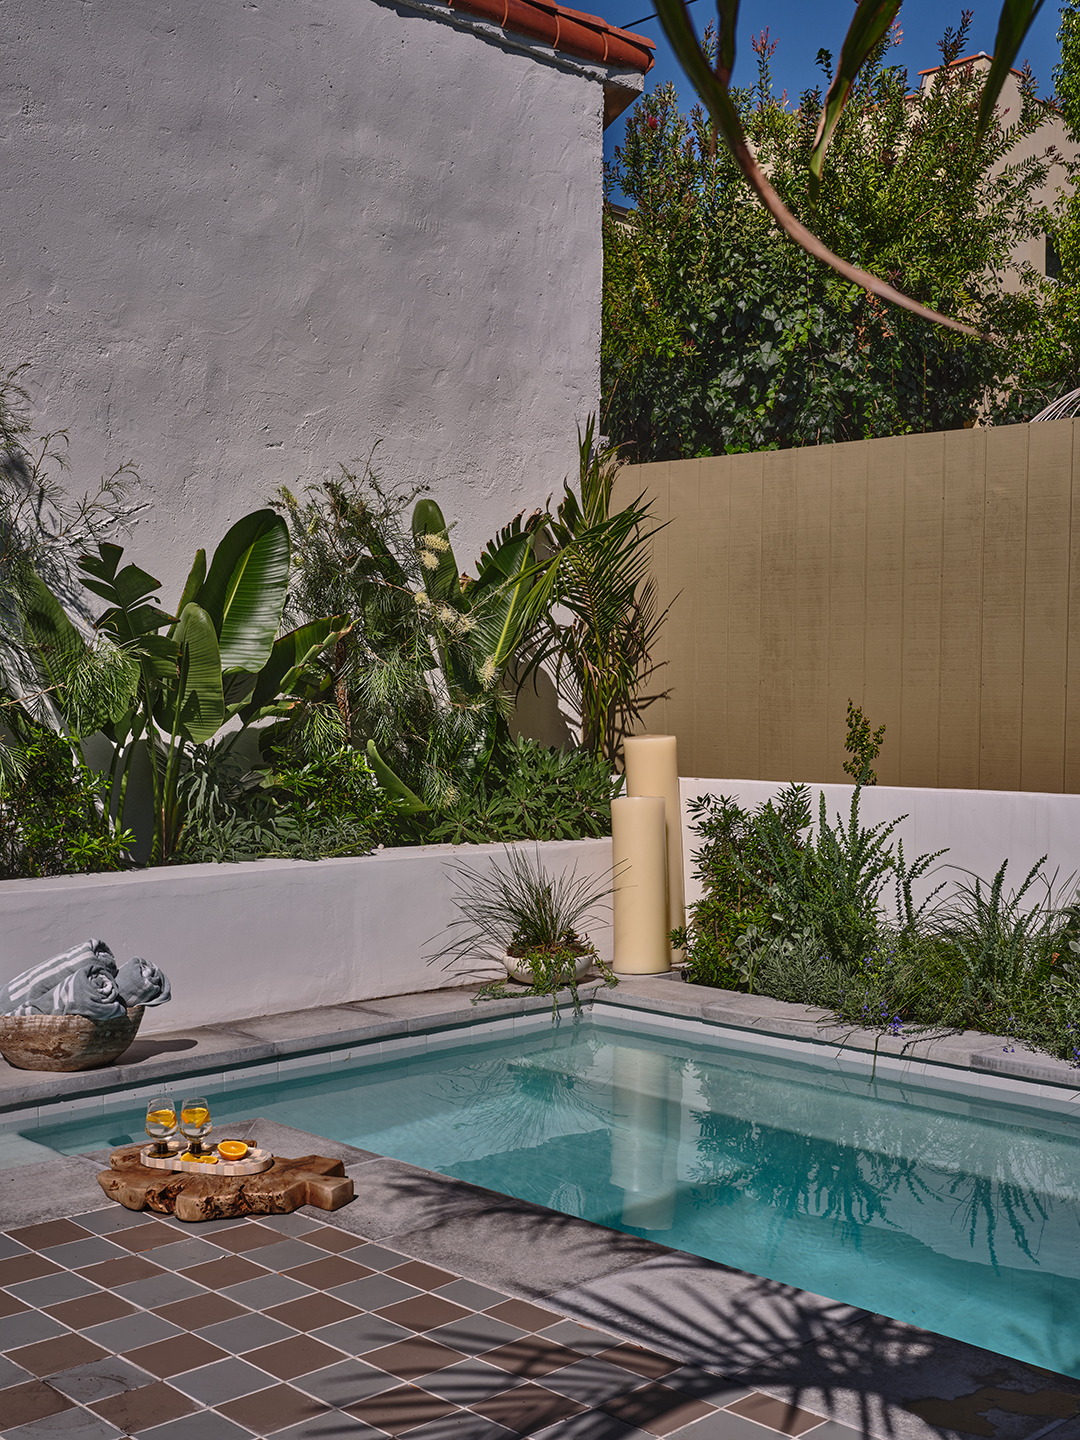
[{"x": 933, "y": 579}]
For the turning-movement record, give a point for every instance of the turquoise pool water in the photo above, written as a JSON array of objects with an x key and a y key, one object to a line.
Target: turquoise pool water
[{"x": 959, "y": 1215}]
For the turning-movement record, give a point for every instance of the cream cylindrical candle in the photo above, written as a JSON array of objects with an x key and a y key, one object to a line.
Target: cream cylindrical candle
[
  {"x": 639, "y": 898},
  {"x": 652, "y": 768}
]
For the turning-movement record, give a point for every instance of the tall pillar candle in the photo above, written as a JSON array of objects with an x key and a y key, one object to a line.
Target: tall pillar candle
[
  {"x": 639, "y": 898},
  {"x": 652, "y": 768}
]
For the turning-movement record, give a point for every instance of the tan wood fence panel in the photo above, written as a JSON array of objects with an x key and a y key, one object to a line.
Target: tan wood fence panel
[{"x": 933, "y": 579}]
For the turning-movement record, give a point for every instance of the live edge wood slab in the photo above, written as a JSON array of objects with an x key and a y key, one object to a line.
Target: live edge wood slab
[{"x": 288, "y": 1184}]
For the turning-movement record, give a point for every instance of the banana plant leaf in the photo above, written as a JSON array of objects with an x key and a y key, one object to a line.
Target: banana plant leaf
[
  {"x": 193, "y": 705},
  {"x": 244, "y": 591},
  {"x": 409, "y": 803},
  {"x": 290, "y": 662},
  {"x": 441, "y": 583}
]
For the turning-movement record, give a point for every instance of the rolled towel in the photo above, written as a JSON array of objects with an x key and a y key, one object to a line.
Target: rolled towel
[
  {"x": 21, "y": 995},
  {"x": 140, "y": 982},
  {"x": 90, "y": 991}
]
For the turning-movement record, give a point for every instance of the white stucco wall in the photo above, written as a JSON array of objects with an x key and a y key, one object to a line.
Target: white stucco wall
[
  {"x": 240, "y": 243},
  {"x": 274, "y": 935}
]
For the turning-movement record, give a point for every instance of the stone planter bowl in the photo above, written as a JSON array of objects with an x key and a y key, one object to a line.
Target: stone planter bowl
[
  {"x": 66, "y": 1042},
  {"x": 518, "y": 970}
]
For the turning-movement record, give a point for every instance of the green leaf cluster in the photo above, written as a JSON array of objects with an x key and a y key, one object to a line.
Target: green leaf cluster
[
  {"x": 721, "y": 335},
  {"x": 532, "y": 792},
  {"x": 53, "y": 819}
]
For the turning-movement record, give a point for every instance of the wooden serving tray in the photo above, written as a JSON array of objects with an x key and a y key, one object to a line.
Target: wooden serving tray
[
  {"x": 210, "y": 1195},
  {"x": 253, "y": 1163}
]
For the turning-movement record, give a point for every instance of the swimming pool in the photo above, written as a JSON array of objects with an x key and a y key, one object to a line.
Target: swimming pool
[{"x": 949, "y": 1211}]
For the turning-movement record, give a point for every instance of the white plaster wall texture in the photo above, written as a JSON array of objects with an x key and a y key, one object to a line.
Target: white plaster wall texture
[
  {"x": 978, "y": 828},
  {"x": 269, "y": 936},
  {"x": 240, "y": 243}
]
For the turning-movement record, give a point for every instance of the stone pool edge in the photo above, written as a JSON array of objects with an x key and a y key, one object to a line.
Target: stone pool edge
[{"x": 288, "y": 1040}]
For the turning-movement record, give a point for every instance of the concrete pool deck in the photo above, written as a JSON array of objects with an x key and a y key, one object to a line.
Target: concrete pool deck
[{"x": 736, "y": 1344}]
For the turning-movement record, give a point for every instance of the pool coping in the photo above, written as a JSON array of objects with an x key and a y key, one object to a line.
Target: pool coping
[{"x": 284, "y": 1040}]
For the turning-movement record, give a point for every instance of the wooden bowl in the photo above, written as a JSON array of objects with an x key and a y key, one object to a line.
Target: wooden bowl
[{"x": 66, "y": 1042}]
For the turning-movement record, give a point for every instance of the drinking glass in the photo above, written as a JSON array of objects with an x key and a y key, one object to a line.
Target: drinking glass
[
  {"x": 161, "y": 1122},
  {"x": 195, "y": 1121}
]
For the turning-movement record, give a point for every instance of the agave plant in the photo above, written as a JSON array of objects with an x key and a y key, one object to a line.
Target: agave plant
[{"x": 523, "y": 913}]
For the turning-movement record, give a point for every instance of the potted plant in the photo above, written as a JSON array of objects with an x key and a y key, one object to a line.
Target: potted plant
[{"x": 528, "y": 920}]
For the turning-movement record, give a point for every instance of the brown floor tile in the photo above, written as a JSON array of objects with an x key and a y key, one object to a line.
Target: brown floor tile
[
  {"x": 312, "y": 1312},
  {"x": 64, "y": 1352},
  {"x": 657, "y": 1409},
  {"x": 325, "y": 1274},
  {"x": 219, "y": 1274},
  {"x": 329, "y": 1237},
  {"x": 272, "y": 1409},
  {"x": 90, "y": 1310},
  {"x": 246, "y": 1237},
  {"x": 136, "y": 1410},
  {"x": 25, "y": 1267},
  {"x": 10, "y": 1306},
  {"x": 110, "y": 1273},
  {"x": 398, "y": 1410},
  {"x": 199, "y": 1311},
  {"x": 524, "y": 1315},
  {"x": 424, "y": 1312},
  {"x": 528, "y": 1408},
  {"x": 423, "y": 1276},
  {"x": 531, "y": 1356},
  {"x": 777, "y": 1414},
  {"x": 298, "y": 1355},
  {"x": 641, "y": 1362},
  {"x": 51, "y": 1232},
  {"x": 19, "y": 1404},
  {"x": 139, "y": 1238},
  {"x": 172, "y": 1357},
  {"x": 409, "y": 1359}
]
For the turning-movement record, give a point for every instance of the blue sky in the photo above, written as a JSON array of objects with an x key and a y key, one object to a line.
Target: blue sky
[{"x": 801, "y": 29}]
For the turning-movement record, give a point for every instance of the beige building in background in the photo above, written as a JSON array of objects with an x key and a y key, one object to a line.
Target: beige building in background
[{"x": 1052, "y": 135}]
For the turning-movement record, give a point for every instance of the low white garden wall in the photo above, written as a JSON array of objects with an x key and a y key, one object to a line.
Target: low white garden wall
[
  {"x": 270, "y": 935},
  {"x": 979, "y": 828}
]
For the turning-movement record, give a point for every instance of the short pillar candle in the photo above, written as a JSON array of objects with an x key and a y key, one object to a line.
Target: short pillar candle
[
  {"x": 639, "y": 899},
  {"x": 652, "y": 768}
]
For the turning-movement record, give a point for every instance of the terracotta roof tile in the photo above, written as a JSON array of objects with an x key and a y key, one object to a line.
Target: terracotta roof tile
[{"x": 586, "y": 37}]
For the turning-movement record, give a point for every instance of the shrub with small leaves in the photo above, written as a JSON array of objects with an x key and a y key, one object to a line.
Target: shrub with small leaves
[{"x": 52, "y": 815}]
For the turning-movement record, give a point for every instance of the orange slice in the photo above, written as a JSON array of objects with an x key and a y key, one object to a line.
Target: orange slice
[{"x": 232, "y": 1149}]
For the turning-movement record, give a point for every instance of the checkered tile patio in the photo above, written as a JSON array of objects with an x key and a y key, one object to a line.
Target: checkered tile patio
[{"x": 120, "y": 1323}]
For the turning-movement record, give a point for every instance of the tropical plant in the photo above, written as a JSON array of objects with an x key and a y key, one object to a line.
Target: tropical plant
[
  {"x": 524, "y": 912},
  {"x": 720, "y": 336},
  {"x": 217, "y": 660},
  {"x": 602, "y": 657},
  {"x": 418, "y": 679},
  {"x": 709, "y": 70}
]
